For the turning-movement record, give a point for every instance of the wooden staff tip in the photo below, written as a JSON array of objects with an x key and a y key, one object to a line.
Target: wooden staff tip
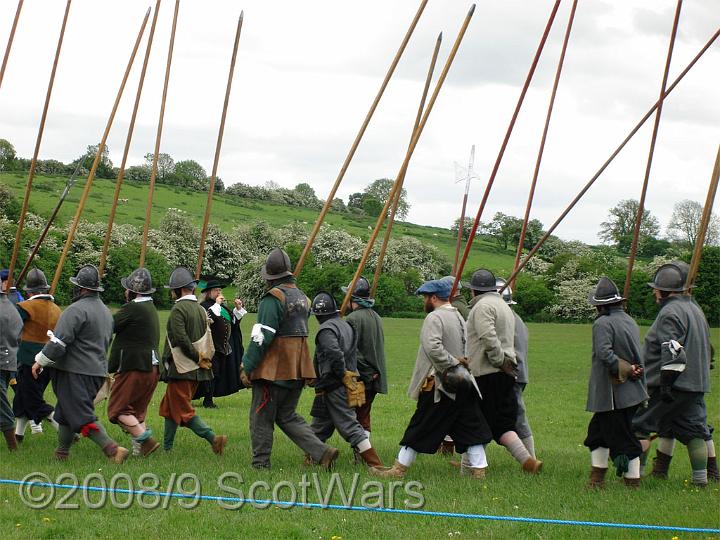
[
  {"x": 242, "y": 15},
  {"x": 439, "y": 39}
]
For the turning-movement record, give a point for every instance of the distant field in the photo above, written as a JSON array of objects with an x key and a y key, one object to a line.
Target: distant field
[
  {"x": 228, "y": 212},
  {"x": 559, "y": 366}
]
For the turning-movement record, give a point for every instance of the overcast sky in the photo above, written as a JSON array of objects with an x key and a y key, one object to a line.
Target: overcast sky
[{"x": 307, "y": 73}]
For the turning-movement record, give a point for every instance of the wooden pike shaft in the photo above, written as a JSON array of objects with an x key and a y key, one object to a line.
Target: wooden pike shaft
[
  {"x": 50, "y": 221},
  {"x": 533, "y": 184},
  {"x": 128, "y": 140},
  {"x": 158, "y": 137},
  {"x": 408, "y": 155},
  {"x": 98, "y": 156},
  {"x": 10, "y": 41},
  {"x": 704, "y": 222},
  {"x": 605, "y": 165},
  {"x": 218, "y": 146},
  {"x": 398, "y": 196},
  {"x": 38, "y": 141},
  {"x": 491, "y": 180},
  {"x": 653, "y": 139},
  {"x": 356, "y": 142}
]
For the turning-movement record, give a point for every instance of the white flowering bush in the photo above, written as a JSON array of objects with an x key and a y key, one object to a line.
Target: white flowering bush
[
  {"x": 337, "y": 246},
  {"x": 407, "y": 253},
  {"x": 250, "y": 285},
  {"x": 536, "y": 266},
  {"x": 571, "y": 299}
]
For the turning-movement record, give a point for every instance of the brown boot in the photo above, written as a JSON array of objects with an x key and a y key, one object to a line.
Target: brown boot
[
  {"x": 371, "y": 458},
  {"x": 597, "y": 478},
  {"x": 61, "y": 454},
  {"x": 328, "y": 458},
  {"x": 119, "y": 456},
  {"x": 446, "y": 448},
  {"x": 661, "y": 465},
  {"x": 396, "y": 471},
  {"x": 632, "y": 482},
  {"x": 532, "y": 465},
  {"x": 308, "y": 460},
  {"x": 478, "y": 473},
  {"x": 10, "y": 439},
  {"x": 219, "y": 443},
  {"x": 148, "y": 446},
  {"x": 712, "y": 469}
]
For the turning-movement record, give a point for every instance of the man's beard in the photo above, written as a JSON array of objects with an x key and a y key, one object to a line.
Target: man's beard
[{"x": 428, "y": 306}]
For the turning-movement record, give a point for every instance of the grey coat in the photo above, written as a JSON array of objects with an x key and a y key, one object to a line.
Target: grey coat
[
  {"x": 521, "y": 343},
  {"x": 335, "y": 353},
  {"x": 11, "y": 326},
  {"x": 83, "y": 334},
  {"x": 680, "y": 319},
  {"x": 615, "y": 335},
  {"x": 490, "y": 334},
  {"x": 442, "y": 342}
]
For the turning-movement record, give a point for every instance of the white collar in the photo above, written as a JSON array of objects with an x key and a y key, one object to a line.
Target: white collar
[
  {"x": 188, "y": 297},
  {"x": 142, "y": 299},
  {"x": 43, "y": 296}
]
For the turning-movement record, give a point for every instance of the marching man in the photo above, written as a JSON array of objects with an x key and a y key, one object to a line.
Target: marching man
[
  {"x": 448, "y": 401},
  {"x": 616, "y": 388},
  {"x": 337, "y": 390},
  {"x": 278, "y": 363},
  {"x": 10, "y": 327},
  {"x": 677, "y": 363},
  {"x": 184, "y": 366},
  {"x": 368, "y": 328},
  {"x": 491, "y": 355},
  {"x": 134, "y": 361},
  {"x": 77, "y": 352},
  {"x": 39, "y": 314}
]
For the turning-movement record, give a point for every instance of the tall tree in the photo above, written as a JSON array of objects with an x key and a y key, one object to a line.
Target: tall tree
[
  {"x": 189, "y": 173},
  {"x": 685, "y": 222},
  {"x": 618, "y": 229},
  {"x": 105, "y": 167},
  {"x": 467, "y": 226},
  {"x": 380, "y": 191},
  {"x": 503, "y": 229},
  {"x": 165, "y": 166},
  {"x": 7, "y": 155}
]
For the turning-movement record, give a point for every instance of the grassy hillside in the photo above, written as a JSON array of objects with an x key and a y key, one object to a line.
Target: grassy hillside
[{"x": 227, "y": 212}]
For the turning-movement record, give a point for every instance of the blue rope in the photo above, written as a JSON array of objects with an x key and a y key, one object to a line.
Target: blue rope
[{"x": 456, "y": 515}]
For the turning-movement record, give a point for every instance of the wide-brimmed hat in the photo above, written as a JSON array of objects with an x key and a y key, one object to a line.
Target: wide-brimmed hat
[
  {"x": 88, "y": 278},
  {"x": 605, "y": 293},
  {"x": 669, "y": 278},
  {"x": 211, "y": 282}
]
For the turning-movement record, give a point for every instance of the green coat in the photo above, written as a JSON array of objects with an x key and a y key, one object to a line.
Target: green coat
[
  {"x": 187, "y": 323},
  {"x": 137, "y": 337},
  {"x": 371, "y": 348}
]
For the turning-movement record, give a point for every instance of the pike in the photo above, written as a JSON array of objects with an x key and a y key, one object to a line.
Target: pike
[
  {"x": 158, "y": 136},
  {"x": 408, "y": 155},
  {"x": 358, "y": 138},
  {"x": 615, "y": 153},
  {"x": 218, "y": 145},
  {"x": 648, "y": 166},
  {"x": 38, "y": 141},
  {"x": 396, "y": 202},
  {"x": 704, "y": 222},
  {"x": 98, "y": 156},
  {"x": 68, "y": 186},
  {"x": 128, "y": 139},
  {"x": 10, "y": 41},
  {"x": 461, "y": 223},
  {"x": 533, "y": 184},
  {"x": 501, "y": 153}
]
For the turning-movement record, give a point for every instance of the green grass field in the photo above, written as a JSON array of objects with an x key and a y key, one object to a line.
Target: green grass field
[
  {"x": 228, "y": 212},
  {"x": 559, "y": 364}
]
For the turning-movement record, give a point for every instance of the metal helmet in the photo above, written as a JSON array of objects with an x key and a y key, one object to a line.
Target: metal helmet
[
  {"x": 361, "y": 290},
  {"x": 181, "y": 278},
  {"x": 88, "y": 278},
  {"x": 669, "y": 277},
  {"x": 457, "y": 378},
  {"x": 324, "y": 304},
  {"x": 605, "y": 293},
  {"x": 277, "y": 265},
  {"x": 507, "y": 292},
  {"x": 684, "y": 270},
  {"x": 36, "y": 282},
  {"x": 482, "y": 281},
  {"x": 139, "y": 281}
]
